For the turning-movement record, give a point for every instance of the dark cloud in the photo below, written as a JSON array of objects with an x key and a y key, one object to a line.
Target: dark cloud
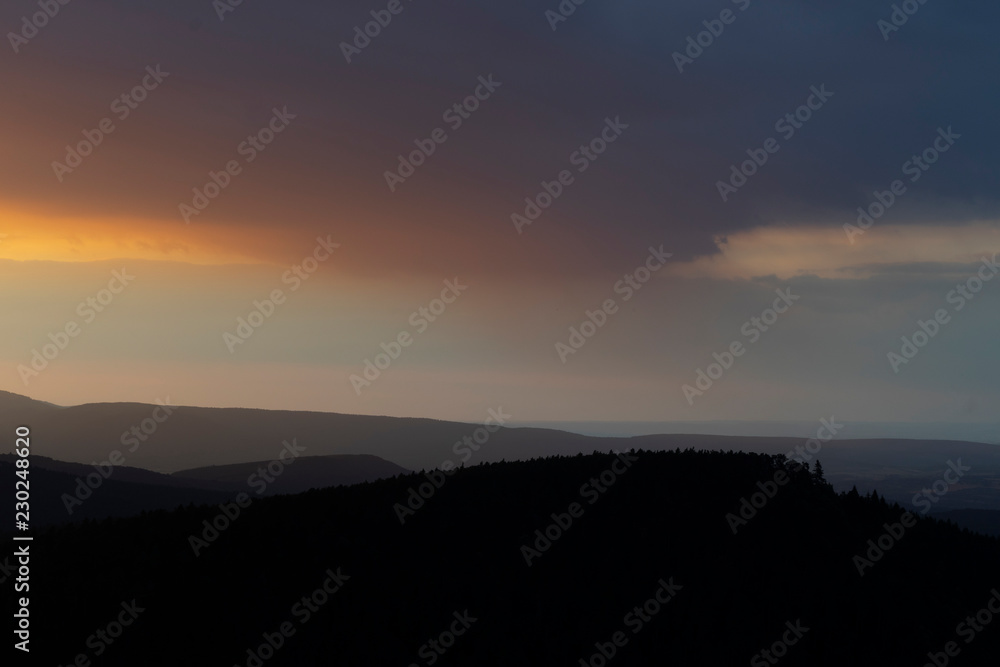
[{"x": 607, "y": 60}]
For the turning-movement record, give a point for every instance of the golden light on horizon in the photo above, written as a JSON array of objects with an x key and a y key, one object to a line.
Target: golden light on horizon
[{"x": 35, "y": 236}]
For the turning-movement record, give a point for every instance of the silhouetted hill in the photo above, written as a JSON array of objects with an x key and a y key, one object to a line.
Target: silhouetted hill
[
  {"x": 120, "y": 491},
  {"x": 986, "y": 522},
  {"x": 24, "y": 404},
  {"x": 120, "y": 473},
  {"x": 304, "y": 473},
  {"x": 192, "y": 437},
  {"x": 189, "y": 437},
  {"x": 54, "y": 494},
  {"x": 659, "y": 522}
]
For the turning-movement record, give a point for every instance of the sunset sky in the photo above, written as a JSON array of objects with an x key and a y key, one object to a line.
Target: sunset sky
[{"x": 608, "y": 70}]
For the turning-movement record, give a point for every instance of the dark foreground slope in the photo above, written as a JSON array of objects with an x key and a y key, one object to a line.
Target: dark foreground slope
[{"x": 460, "y": 556}]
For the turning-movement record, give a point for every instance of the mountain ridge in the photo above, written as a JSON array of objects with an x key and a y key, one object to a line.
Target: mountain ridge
[{"x": 194, "y": 437}]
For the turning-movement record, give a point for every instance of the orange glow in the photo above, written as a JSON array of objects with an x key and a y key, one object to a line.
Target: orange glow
[{"x": 33, "y": 236}]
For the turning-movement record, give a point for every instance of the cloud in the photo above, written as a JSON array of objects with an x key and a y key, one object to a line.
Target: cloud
[
  {"x": 788, "y": 251},
  {"x": 657, "y": 184},
  {"x": 686, "y": 130}
]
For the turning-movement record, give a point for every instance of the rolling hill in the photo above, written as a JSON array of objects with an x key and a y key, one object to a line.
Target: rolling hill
[
  {"x": 192, "y": 437},
  {"x": 557, "y": 561}
]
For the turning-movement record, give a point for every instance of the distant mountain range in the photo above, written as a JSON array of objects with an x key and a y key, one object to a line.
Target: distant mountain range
[
  {"x": 187, "y": 440},
  {"x": 988, "y": 432},
  {"x": 71, "y": 492}
]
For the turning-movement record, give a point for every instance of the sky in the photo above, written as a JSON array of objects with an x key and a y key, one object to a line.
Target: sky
[{"x": 674, "y": 171}]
